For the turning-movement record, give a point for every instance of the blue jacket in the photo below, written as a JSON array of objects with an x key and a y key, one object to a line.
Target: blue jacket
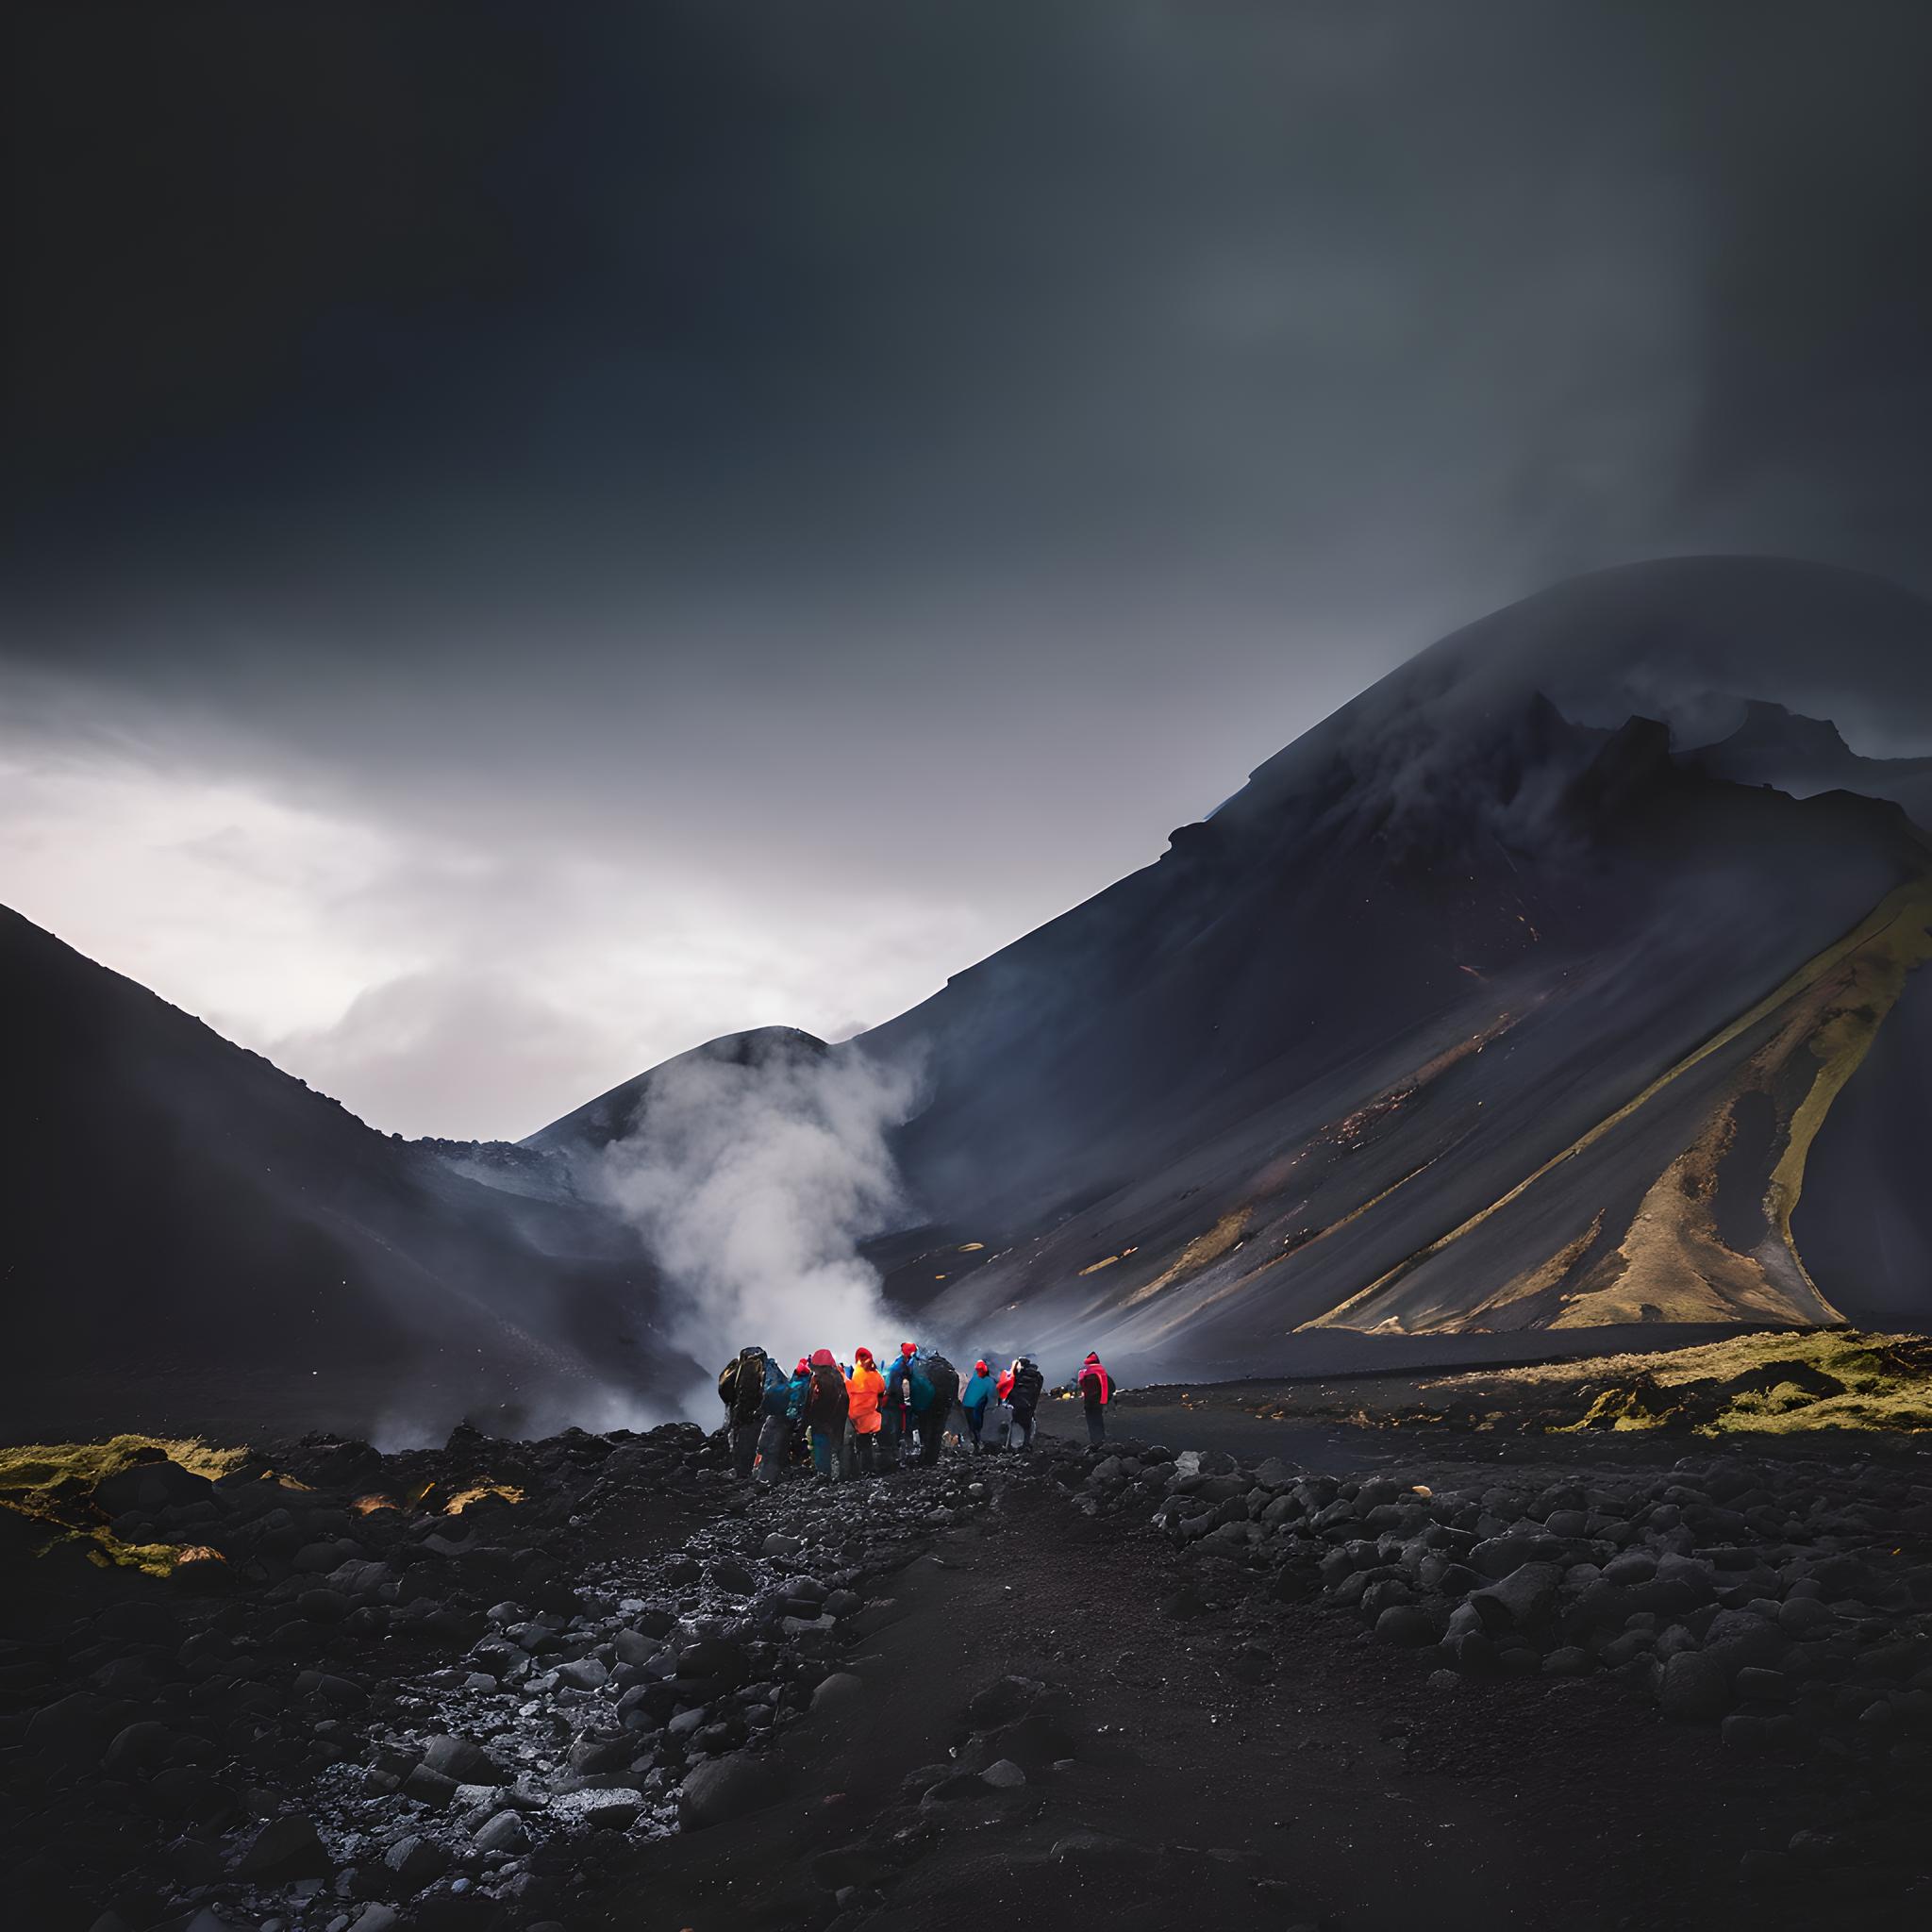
[{"x": 977, "y": 1389}]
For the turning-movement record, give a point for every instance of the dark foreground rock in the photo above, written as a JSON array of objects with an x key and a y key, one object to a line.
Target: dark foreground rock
[{"x": 469, "y": 1689}]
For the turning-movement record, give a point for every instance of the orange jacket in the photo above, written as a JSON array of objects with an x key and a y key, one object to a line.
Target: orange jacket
[{"x": 865, "y": 1389}]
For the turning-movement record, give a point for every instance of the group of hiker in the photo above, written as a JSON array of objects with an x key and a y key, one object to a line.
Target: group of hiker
[{"x": 858, "y": 1421}]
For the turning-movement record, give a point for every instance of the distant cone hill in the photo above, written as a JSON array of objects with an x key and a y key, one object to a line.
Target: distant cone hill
[{"x": 1564, "y": 981}]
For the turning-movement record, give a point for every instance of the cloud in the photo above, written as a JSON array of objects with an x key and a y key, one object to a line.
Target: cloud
[
  {"x": 464, "y": 987},
  {"x": 705, "y": 525},
  {"x": 450, "y": 1046}
]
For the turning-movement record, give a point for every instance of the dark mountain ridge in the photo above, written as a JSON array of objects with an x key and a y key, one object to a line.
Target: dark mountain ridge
[
  {"x": 1484, "y": 1006},
  {"x": 194, "y": 1234},
  {"x": 1515, "y": 999}
]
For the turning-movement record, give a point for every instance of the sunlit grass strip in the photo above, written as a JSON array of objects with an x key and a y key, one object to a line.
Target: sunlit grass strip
[
  {"x": 1881, "y": 1382},
  {"x": 48, "y": 1482}
]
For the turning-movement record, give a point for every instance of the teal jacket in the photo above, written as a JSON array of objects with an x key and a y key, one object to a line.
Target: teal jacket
[{"x": 977, "y": 1389}]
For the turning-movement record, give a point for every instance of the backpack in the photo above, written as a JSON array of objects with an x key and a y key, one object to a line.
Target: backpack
[
  {"x": 748, "y": 1392},
  {"x": 829, "y": 1396},
  {"x": 939, "y": 1376}
]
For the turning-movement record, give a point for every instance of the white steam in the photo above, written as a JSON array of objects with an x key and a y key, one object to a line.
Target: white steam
[{"x": 753, "y": 1186}]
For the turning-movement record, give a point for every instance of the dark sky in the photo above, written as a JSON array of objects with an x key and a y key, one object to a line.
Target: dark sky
[{"x": 537, "y": 534}]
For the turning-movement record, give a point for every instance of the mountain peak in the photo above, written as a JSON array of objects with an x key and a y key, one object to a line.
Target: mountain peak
[
  {"x": 612, "y": 1114},
  {"x": 1773, "y": 729}
]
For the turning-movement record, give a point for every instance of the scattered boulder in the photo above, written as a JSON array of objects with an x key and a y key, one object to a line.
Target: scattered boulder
[
  {"x": 286, "y": 1847},
  {"x": 837, "y": 1692},
  {"x": 1695, "y": 1686},
  {"x": 1408, "y": 1625},
  {"x": 462, "y": 1761},
  {"x": 416, "y": 1862},
  {"x": 1005, "y": 1698},
  {"x": 725, "y": 1788},
  {"x": 504, "y": 1832},
  {"x": 149, "y": 1488}
]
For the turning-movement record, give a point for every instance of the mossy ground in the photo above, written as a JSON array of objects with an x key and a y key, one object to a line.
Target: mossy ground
[
  {"x": 1777, "y": 1383},
  {"x": 50, "y": 1482}
]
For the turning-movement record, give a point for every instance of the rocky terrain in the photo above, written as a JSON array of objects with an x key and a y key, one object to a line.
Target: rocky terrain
[{"x": 506, "y": 1686}]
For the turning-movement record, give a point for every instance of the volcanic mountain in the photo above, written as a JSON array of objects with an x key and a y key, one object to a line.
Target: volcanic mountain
[
  {"x": 1510, "y": 998},
  {"x": 1564, "y": 982},
  {"x": 193, "y": 1236}
]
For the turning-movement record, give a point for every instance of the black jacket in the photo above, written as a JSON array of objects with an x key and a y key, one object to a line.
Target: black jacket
[{"x": 1027, "y": 1383}]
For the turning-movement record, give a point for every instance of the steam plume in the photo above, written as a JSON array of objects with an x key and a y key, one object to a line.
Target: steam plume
[{"x": 753, "y": 1185}]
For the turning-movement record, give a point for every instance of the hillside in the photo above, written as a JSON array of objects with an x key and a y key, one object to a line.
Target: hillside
[
  {"x": 1514, "y": 996},
  {"x": 197, "y": 1236},
  {"x": 1471, "y": 1012}
]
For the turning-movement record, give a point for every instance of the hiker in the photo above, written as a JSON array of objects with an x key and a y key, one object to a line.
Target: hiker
[
  {"x": 1021, "y": 1388},
  {"x": 825, "y": 1407},
  {"x": 1096, "y": 1392},
  {"x": 741, "y": 1390},
  {"x": 972, "y": 1400},
  {"x": 780, "y": 1408},
  {"x": 896, "y": 1412},
  {"x": 865, "y": 1391},
  {"x": 934, "y": 1388}
]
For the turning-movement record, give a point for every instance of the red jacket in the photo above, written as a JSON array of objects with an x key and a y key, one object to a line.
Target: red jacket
[{"x": 1101, "y": 1394}]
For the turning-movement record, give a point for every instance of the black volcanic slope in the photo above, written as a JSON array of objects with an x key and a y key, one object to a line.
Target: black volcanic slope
[
  {"x": 1460, "y": 1016},
  {"x": 1481, "y": 1008},
  {"x": 192, "y": 1236}
]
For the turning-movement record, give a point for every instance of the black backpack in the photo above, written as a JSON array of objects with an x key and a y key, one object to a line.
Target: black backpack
[
  {"x": 748, "y": 1392},
  {"x": 1027, "y": 1383},
  {"x": 830, "y": 1398}
]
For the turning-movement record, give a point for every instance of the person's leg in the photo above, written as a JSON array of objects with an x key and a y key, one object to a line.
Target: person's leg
[
  {"x": 1097, "y": 1426},
  {"x": 771, "y": 1449},
  {"x": 820, "y": 1453},
  {"x": 746, "y": 1447}
]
